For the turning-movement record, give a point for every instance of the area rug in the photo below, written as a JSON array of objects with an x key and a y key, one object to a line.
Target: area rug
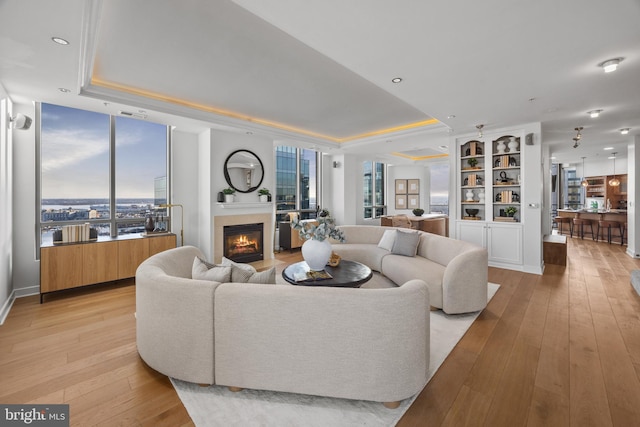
[{"x": 216, "y": 406}]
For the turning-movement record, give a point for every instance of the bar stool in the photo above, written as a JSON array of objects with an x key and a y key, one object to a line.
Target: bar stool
[
  {"x": 563, "y": 220},
  {"x": 581, "y": 222},
  {"x": 608, "y": 224}
]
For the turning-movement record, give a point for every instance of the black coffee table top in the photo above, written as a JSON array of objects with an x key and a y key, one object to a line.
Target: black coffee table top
[{"x": 348, "y": 274}]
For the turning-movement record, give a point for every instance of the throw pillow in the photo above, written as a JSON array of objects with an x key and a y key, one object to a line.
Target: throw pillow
[
  {"x": 248, "y": 267},
  {"x": 406, "y": 243},
  {"x": 387, "y": 239},
  {"x": 242, "y": 275},
  {"x": 203, "y": 270}
]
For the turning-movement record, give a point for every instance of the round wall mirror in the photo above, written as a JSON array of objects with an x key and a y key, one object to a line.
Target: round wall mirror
[{"x": 243, "y": 171}]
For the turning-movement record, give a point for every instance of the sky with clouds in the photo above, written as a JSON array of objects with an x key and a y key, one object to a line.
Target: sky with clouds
[{"x": 75, "y": 154}]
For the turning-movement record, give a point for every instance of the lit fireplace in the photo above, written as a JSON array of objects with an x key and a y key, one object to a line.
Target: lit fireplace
[{"x": 243, "y": 243}]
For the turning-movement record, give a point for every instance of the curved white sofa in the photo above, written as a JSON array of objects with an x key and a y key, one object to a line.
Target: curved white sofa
[
  {"x": 369, "y": 344},
  {"x": 455, "y": 271}
]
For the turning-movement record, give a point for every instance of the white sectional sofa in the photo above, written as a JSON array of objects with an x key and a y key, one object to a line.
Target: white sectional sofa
[
  {"x": 455, "y": 271},
  {"x": 369, "y": 344}
]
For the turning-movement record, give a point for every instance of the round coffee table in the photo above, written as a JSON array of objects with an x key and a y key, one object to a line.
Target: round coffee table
[{"x": 348, "y": 274}]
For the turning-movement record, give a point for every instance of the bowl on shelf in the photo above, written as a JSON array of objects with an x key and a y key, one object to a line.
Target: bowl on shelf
[{"x": 472, "y": 212}]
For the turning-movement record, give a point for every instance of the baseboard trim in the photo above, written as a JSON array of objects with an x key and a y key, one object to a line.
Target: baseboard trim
[
  {"x": 27, "y": 292},
  {"x": 6, "y": 308}
]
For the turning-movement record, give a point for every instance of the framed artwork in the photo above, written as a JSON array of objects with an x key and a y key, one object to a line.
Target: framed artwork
[
  {"x": 401, "y": 186},
  {"x": 413, "y": 185},
  {"x": 413, "y": 201},
  {"x": 401, "y": 201}
]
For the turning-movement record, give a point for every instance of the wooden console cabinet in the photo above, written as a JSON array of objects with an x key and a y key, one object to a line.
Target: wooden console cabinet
[{"x": 78, "y": 264}]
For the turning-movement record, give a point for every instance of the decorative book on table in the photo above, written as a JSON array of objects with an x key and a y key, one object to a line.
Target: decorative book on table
[{"x": 312, "y": 276}]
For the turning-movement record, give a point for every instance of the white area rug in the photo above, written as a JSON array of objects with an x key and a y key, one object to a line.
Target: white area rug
[{"x": 216, "y": 406}]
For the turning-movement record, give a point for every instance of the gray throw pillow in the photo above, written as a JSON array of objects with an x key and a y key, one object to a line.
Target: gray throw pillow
[
  {"x": 242, "y": 275},
  {"x": 202, "y": 270},
  {"x": 248, "y": 267},
  {"x": 406, "y": 243},
  {"x": 387, "y": 239}
]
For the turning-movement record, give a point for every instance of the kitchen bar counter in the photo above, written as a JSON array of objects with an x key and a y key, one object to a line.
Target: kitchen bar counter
[{"x": 596, "y": 214}]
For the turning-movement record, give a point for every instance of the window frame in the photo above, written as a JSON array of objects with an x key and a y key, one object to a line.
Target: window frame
[
  {"x": 374, "y": 187},
  {"x": 298, "y": 205},
  {"x": 113, "y": 221}
]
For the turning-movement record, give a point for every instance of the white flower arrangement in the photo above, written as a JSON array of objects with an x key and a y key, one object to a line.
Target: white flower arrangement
[{"x": 325, "y": 229}]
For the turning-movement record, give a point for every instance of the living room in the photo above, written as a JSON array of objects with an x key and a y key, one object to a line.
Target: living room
[{"x": 203, "y": 136}]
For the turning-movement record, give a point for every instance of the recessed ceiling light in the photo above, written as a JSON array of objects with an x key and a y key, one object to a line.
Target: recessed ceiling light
[
  {"x": 608, "y": 148},
  {"x": 60, "y": 40},
  {"x": 396, "y": 80},
  {"x": 249, "y": 133},
  {"x": 625, "y": 131},
  {"x": 451, "y": 116},
  {"x": 64, "y": 90},
  {"x": 594, "y": 113},
  {"x": 553, "y": 157},
  {"x": 610, "y": 64}
]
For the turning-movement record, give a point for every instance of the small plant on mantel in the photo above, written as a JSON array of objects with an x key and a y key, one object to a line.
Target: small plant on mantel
[
  {"x": 264, "y": 192},
  {"x": 229, "y": 190}
]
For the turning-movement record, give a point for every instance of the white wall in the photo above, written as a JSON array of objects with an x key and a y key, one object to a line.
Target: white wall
[
  {"x": 633, "y": 196},
  {"x": 185, "y": 185},
  {"x": 419, "y": 172},
  {"x": 6, "y": 215},
  {"x": 26, "y": 268}
]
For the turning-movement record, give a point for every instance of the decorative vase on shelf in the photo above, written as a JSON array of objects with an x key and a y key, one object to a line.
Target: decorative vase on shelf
[
  {"x": 149, "y": 225},
  {"x": 513, "y": 145},
  {"x": 264, "y": 198},
  {"x": 481, "y": 196},
  {"x": 501, "y": 147},
  {"x": 228, "y": 198},
  {"x": 469, "y": 195},
  {"x": 316, "y": 253}
]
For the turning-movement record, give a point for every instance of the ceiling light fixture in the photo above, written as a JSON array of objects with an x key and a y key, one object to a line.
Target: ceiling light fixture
[
  {"x": 584, "y": 181},
  {"x": 451, "y": 116},
  {"x": 614, "y": 182},
  {"x": 607, "y": 148},
  {"x": 594, "y": 113},
  {"x": 624, "y": 131},
  {"x": 60, "y": 40},
  {"x": 578, "y": 137},
  {"x": 479, "y": 127},
  {"x": 610, "y": 64},
  {"x": 396, "y": 80},
  {"x": 64, "y": 90}
]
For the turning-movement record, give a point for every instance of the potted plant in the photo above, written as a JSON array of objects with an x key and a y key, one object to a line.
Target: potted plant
[
  {"x": 511, "y": 210},
  {"x": 228, "y": 194},
  {"x": 264, "y": 194},
  {"x": 418, "y": 211},
  {"x": 472, "y": 162},
  {"x": 316, "y": 250}
]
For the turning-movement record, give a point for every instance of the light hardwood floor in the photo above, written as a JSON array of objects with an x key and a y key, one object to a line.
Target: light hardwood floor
[{"x": 562, "y": 349}]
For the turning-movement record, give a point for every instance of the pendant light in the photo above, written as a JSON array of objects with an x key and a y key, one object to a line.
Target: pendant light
[
  {"x": 584, "y": 182},
  {"x": 614, "y": 182}
]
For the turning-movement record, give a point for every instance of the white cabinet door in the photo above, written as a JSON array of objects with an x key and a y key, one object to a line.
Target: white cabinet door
[
  {"x": 473, "y": 232},
  {"x": 504, "y": 243}
]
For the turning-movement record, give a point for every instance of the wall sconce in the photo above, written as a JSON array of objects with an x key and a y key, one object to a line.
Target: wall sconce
[
  {"x": 171, "y": 205},
  {"x": 20, "y": 121},
  {"x": 336, "y": 164}
]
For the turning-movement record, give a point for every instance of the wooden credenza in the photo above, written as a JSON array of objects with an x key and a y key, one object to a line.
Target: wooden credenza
[{"x": 73, "y": 265}]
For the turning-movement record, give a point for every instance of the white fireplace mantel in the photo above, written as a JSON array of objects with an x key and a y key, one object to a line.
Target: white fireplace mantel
[{"x": 242, "y": 205}]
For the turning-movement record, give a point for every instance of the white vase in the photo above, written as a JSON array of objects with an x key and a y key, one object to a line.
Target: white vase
[
  {"x": 469, "y": 195},
  {"x": 264, "y": 198},
  {"x": 513, "y": 145},
  {"x": 316, "y": 253},
  {"x": 228, "y": 198},
  {"x": 500, "y": 147},
  {"x": 481, "y": 196}
]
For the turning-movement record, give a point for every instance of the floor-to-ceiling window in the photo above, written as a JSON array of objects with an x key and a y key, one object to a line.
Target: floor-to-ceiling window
[
  {"x": 104, "y": 170},
  {"x": 373, "y": 189},
  {"x": 439, "y": 188},
  {"x": 297, "y": 182}
]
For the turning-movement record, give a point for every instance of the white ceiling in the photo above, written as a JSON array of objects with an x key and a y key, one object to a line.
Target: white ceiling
[{"x": 320, "y": 72}]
